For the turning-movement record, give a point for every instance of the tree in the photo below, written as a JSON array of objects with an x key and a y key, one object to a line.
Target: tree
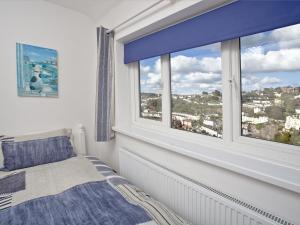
[
  {"x": 154, "y": 105},
  {"x": 289, "y": 104},
  {"x": 217, "y": 93},
  {"x": 176, "y": 124},
  {"x": 259, "y": 126},
  {"x": 283, "y": 137},
  {"x": 248, "y": 111},
  {"x": 275, "y": 112}
]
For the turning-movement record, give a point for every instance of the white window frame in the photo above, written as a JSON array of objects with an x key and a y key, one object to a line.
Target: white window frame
[
  {"x": 231, "y": 98},
  {"x": 135, "y": 70},
  {"x": 253, "y": 143},
  {"x": 165, "y": 124}
]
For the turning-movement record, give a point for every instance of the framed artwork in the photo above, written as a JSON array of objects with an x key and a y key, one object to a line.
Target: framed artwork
[{"x": 37, "y": 72}]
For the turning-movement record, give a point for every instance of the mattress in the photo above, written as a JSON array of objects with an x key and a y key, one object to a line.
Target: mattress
[{"x": 77, "y": 191}]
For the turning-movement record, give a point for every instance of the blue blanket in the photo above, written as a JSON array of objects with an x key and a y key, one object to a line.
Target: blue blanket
[{"x": 92, "y": 203}]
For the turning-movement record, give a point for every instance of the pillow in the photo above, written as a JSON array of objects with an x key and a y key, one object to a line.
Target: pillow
[
  {"x": 12, "y": 183},
  {"x": 22, "y": 154},
  {"x": 34, "y": 136},
  {"x": 2, "y": 139},
  {"x": 47, "y": 134}
]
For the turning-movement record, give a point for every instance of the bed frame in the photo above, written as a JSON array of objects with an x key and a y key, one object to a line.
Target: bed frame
[{"x": 78, "y": 138}]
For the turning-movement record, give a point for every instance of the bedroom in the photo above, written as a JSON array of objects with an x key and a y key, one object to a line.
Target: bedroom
[{"x": 215, "y": 164}]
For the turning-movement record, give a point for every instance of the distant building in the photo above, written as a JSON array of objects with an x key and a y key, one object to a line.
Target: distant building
[
  {"x": 210, "y": 131},
  {"x": 255, "y": 120},
  {"x": 184, "y": 116},
  {"x": 151, "y": 114},
  {"x": 245, "y": 131},
  {"x": 290, "y": 90},
  {"x": 214, "y": 104},
  {"x": 292, "y": 122},
  {"x": 297, "y": 96},
  {"x": 208, "y": 123},
  {"x": 187, "y": 124},
  {"x": 278, "y": 95},
  {"x": 257, "y": 110},
  {"x": 262, "y": 103},
  {"x": 278, "y": 102},
  {"x": 187, "y": 100}
]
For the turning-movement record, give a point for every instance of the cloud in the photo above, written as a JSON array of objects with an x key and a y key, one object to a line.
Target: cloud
[
  {"x": 286, "y": 33},
  {"x": 252, "y": 82},
  {"x": 287, "y": 37},
  {"x": 270, "y": 80},
  {"x": 157, "y": 66},
  {"x": 195, "y": 88},
  {"x": 282, "y": 38},
  {"x": 184, "y": 64},
  {"x": 189, "y": 75},
  {"x": 196, "y": 82},
  {"x": 199, "y": 77},
  {"x": 176, "y": 78},
  {"x": 153, "y": 78},
  {"x": 256, "y": 60},
  {"x": 144, "y": 69},
  {"x": 254, "y": 40}
]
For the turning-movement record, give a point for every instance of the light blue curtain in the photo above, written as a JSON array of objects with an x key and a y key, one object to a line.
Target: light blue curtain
[{"x": 105, "y": 85}]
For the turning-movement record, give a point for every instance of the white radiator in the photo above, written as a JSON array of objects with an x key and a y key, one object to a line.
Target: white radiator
[{"x": 195, "y": 202}]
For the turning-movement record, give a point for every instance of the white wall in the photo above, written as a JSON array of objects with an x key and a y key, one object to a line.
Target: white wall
[
  {"x": 261, "y": 194},
  {"x": 73, "y": 35}
]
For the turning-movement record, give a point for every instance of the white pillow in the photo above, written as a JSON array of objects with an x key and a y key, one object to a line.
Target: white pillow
[{"x": 42, "y": 135}]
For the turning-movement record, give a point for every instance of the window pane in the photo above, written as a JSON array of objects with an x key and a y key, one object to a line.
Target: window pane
[
  {"x": 150, "y": 88},
  {"x": 196, "y": 84},
  {"x": 270, "y": 74}
]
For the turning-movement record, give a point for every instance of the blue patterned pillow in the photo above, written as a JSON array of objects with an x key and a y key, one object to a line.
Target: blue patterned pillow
[{"x": 24, "y": 154}]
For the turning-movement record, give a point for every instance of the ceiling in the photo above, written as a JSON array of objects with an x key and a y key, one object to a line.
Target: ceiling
[{"x": 94, "y": 9}]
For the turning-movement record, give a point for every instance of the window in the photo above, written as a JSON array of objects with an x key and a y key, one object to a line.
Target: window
[
  {"x": 150, "y": 88},
  {"x": 270, "y": 75},
  {"x": 242, "y": 91},
  {"x": 196, "y": 87}
]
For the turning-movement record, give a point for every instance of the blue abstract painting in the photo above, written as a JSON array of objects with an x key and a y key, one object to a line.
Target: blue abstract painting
[{"x": 37, "y": 72}]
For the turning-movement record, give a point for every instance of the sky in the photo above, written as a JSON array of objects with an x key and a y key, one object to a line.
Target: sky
[
  {"x": 38, "y": 53},
  {"x": 269, "y": 59}
]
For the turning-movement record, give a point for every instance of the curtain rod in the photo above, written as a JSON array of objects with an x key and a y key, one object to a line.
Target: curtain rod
[{"x": 141, "y": 12}]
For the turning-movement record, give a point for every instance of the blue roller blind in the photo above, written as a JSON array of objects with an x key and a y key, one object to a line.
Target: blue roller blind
[{"x": 237, "y": 19}]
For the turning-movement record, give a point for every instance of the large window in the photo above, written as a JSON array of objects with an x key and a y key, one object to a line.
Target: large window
[
  {"x": 242, "y": 91},
  {"x": 150, "y": 88},
  {"x": 270, "y": 72},
  {"x": 196, "y": 85}
]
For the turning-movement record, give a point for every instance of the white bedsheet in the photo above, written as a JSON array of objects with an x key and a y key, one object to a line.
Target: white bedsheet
[{"x": 54, "y": 178}]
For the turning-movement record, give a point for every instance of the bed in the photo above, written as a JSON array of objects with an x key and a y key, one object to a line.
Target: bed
[{"x": 37, "y": 188}]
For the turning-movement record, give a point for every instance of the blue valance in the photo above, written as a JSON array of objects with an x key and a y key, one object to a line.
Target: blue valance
[{"x": 240, "y": 18}]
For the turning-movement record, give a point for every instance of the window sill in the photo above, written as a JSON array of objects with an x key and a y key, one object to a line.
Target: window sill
[{"x": 286, "y": 177}]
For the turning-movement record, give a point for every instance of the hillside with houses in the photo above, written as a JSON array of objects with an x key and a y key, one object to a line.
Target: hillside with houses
[{"x": 271, "y": 114}]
